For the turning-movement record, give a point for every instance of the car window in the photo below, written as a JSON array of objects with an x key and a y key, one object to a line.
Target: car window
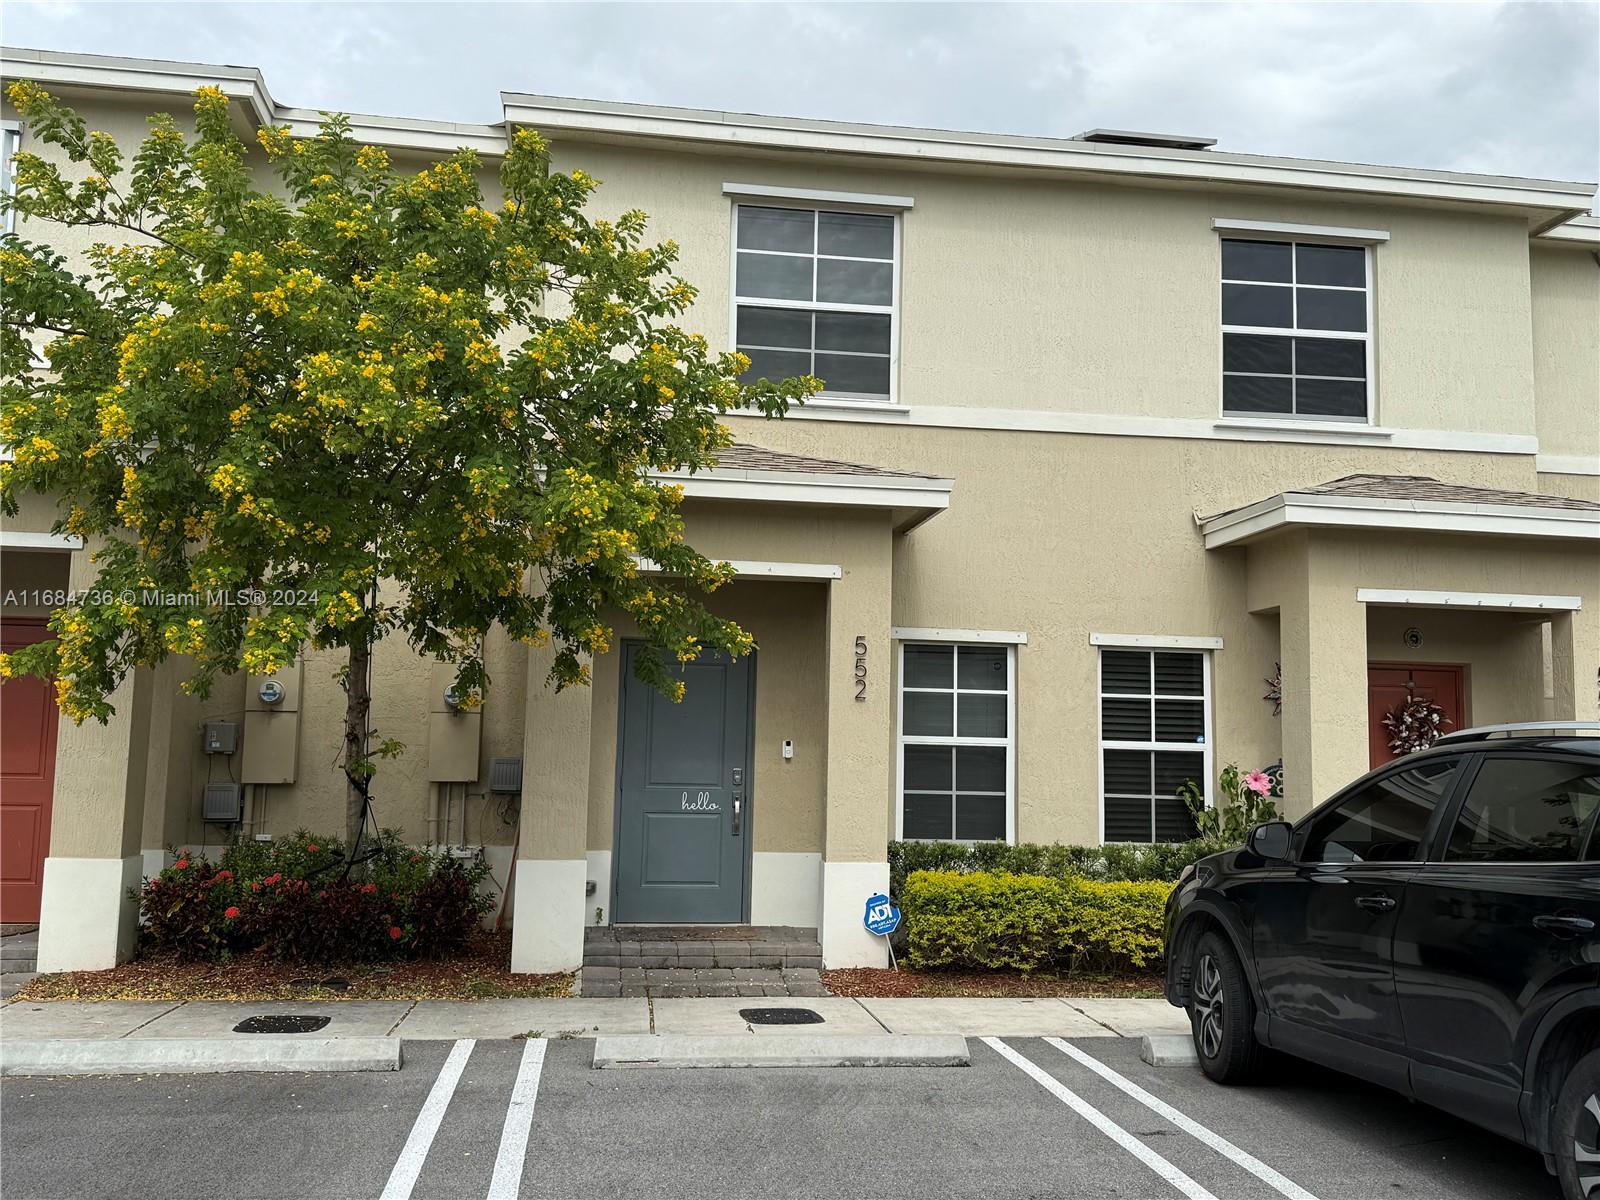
[
  {"x": 1526, "y": 810},
  {"x": 1385, "y": 821}
]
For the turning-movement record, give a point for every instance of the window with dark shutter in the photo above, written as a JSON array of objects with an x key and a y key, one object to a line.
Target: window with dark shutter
[{"x": 1154, "y": 715}]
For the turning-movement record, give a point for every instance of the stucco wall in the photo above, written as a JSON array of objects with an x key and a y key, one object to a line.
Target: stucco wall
[
  {"x": 1566, "y": 350},
  {"x": 1021, "y": 293}
]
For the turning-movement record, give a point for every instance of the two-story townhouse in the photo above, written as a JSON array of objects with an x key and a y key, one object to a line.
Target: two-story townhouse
[{"x": 1136, "y": 458}]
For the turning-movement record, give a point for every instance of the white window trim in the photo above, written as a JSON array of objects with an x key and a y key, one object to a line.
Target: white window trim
[
  {"x": 762, "y": 191},
  {"x": 1304, "y": 233},
  {"x": 1495, "y": 601},
  {"x": 7, "y": 172},
  {"x": 893, "y": 309},
  {"x": 1154, "y": 641},
  {"x": 1012, "y": 637},
  {"x": 902, "y": 740},
  {"x": 1370, "y": 337},
  {"x": 1208, "y": 767}
]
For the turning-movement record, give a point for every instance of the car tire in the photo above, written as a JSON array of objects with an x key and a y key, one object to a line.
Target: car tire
[
  {"x": 1576, "y": 1136},
  {"x": 1222, "y": 1013}
]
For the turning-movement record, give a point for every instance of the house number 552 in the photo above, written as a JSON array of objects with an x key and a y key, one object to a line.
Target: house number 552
[{"x": 861, "y": 668}]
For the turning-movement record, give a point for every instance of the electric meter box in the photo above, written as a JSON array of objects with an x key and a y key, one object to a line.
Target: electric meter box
[
  {"x": 455, "y": 733},
  {"x": 221, "y": 737},
  {"x": 272, "y": 725}
]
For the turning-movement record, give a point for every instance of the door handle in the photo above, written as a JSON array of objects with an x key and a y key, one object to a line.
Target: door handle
[
  {"x": 738, "y": 805},
  {"x": 1563, "y": 923},
  {"x": 1376, "y": 903}
]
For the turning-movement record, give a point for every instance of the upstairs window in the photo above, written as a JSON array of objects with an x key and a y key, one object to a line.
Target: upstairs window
[
  {"x": 1296, "y": 340},
  {"x": 814, "y": 294}
]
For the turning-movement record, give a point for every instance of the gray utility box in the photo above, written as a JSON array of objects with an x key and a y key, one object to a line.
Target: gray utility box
[
  {"x": 505, "y": 776},
  {"x": 221, "y": 737},
  {"x": 224, "y": 802}
]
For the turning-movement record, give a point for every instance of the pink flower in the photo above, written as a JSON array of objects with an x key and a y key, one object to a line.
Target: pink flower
[
  {"x": 311, "y": 847},
  {"x": 1259, "y": 783},
  {"x": 231, "y": 911},
  {"x": 182, "y": 864}
]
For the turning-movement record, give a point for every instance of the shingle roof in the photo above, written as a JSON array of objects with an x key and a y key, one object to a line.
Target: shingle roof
[
  {"x": 1426, "y": 488},
  {"x": 745, "y": 457}
]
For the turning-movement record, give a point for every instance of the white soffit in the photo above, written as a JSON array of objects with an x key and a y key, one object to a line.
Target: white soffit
[
  {"x": 804, "y": 487},
  {"x": 1332, "y": 233},
  {"x": 1499, "y": 601},
  {"x": 1361, "y": 512},
  {"x": 762, "y": 191}
]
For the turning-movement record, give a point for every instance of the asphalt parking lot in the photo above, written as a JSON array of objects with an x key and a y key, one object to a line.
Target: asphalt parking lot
[{"x": 1028, "y": 1118}]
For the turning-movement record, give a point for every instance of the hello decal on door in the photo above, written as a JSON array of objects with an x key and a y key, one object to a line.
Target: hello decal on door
[{"x": 702, "y": 802}]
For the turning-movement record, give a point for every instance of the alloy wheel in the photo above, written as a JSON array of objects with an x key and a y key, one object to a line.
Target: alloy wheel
[
  {"x": 1208, "y": 1006},
  {"x": 1586, "y": 1148}
]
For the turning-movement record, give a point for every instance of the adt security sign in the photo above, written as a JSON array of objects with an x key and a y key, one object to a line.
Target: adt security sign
[{"x": 882, "y": 918}]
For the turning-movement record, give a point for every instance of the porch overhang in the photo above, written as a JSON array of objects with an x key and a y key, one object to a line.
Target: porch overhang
[
  {"x": 1358, "y": 503},
  {"x": 753, "y": 474}
]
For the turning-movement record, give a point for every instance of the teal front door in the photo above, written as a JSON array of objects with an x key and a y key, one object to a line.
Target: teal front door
[{"x": 683, "y": 795}]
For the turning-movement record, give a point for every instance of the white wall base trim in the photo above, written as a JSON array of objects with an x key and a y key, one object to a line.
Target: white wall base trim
[
  {"x": 87, "y": 919},
  {"x": 599, "y": 875},
  {"x": 845, "y": 940},
  {"x": 786, "y": 889},
  {"x": 547, "y": 917},
  {"x": 155, "y": 860}
]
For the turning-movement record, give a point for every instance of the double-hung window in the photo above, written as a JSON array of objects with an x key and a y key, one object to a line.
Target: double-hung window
[
  {"x": 957, "y": 738},
  {"x": 1296, "y": 337},
  {"x": 814, "y": 294},
  {"x": 1154, "y": 716}
]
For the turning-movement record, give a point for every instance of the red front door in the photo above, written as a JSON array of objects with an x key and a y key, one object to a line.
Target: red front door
[
  {"x": 27, "y": 778},
  {"x": 1387, "y": 689}
]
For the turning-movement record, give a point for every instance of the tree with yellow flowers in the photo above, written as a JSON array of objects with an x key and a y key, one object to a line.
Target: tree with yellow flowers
[{"x": 255, "y": 405}]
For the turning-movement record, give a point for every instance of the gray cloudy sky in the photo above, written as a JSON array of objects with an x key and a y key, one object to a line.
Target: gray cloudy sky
[{"x": 1506, "y": 88}]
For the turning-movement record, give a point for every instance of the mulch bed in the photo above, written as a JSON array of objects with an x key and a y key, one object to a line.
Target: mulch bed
[
  {"x": 876, "y": 983},
  {"x": 481, "y": 972}
]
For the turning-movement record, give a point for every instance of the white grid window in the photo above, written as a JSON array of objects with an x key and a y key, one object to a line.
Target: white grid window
[
  {"x": 814, "y": 294},
  {"x": 1296, "y": 330},
  {"x": 957, "y": 735},
  {"x": 10, "y": 142},
  {"x": 1155, "y": 721}
]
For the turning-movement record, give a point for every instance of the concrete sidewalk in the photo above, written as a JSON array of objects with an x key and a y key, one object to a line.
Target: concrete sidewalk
[{"x": 436, "y": 1020}]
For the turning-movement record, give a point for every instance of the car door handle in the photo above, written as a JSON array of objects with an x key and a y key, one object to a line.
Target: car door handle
[
  {"x": 1563, "y": 923},
  {"x": 1376, "y": 903}
]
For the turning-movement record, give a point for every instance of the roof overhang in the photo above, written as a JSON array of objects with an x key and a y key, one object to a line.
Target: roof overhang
[
  {"x": 1581, "y": 231},
  {"x": 247, "y": 87},
  {"x": 913, "y": 499},
  {"x": 1303, "y": 509},
  {"x": 1545, "y": 203}
]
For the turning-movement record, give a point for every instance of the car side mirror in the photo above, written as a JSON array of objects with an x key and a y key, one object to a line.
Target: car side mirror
[{"x": 1271, "y": 840}]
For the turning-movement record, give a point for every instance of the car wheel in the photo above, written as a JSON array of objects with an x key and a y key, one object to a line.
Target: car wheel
[
  {"x": 1577, "y": 1131},
  {"x": 1222, "y": 1013}
]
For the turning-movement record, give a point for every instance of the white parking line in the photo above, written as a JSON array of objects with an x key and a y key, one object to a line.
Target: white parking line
[
  {"x": 409, "y": 1165},
  {"x": 1101, "y": 1122},
  {"x": 1217, "y": 1142},
  {"x": 519, "y": 1121}
]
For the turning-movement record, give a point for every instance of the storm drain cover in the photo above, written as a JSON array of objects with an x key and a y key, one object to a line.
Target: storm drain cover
[
  {"x": 781, "y": 1016},
  {"x": 285, "y": 1023}
]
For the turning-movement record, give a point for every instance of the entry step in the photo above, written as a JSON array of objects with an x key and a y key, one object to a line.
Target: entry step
[
  {"x": 701, "y": 960},
  {"x": 668, "y": 983}
]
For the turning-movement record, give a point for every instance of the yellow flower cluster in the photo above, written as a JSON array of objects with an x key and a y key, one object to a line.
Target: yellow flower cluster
[{"x": 228, "y": 480}]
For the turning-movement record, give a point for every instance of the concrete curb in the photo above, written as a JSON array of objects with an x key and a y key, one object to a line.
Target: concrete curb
[
  {"x": 780, "y": 1050},
  {"x": 1174, "y": 1051},
  {"x": 192, "y": 1056}
]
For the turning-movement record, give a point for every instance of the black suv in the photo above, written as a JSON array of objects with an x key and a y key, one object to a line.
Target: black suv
[{"x": 1431, "y": 928}]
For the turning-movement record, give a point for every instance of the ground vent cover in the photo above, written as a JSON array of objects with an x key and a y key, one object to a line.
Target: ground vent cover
[
  {"x": 281, "y": 1023},
  {"x": 781, "y": 1016}
]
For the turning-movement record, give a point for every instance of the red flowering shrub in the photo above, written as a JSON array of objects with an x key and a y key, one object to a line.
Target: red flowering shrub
[
  {"x": 293, "y": 899},
  {"x": 186, "y": 907}
]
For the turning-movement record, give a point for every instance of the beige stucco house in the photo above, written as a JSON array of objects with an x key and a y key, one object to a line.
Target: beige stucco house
[{"x": 1119, "y": 429}]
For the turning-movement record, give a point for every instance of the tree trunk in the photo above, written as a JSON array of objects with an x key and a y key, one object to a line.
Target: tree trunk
[{"x": 358, "y": 704}]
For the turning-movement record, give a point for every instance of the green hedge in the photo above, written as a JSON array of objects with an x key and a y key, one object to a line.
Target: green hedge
[
  {"x": 1115, "y": 863},
  {"x": 1001, "y": 921}
]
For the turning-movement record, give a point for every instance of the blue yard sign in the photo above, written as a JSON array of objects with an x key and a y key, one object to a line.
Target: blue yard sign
[{"x": 882, "y": 917}]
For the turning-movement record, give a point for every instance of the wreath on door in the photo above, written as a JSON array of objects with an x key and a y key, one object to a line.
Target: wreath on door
[{"x": 1414, "y": 724}]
